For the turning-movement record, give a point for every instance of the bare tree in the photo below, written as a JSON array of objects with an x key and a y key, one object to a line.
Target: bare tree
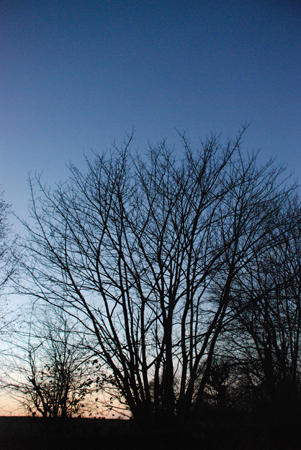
[
  {"x": 144, "y": 252},
  {"x": 9, "y": 261},
  {"x": 6, "y": 244},
  {"x": 268, "y": 328},
  {"x": 46, "y": 368}
]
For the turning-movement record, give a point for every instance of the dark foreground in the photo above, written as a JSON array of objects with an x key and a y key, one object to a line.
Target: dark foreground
[{"x": 228, "y": 433}]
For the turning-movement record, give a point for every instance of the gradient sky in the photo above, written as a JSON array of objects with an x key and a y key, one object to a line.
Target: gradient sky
[{"x": 76, "y": 75}]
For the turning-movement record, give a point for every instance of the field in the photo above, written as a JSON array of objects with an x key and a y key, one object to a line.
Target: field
[{"x": 27, "y": 433}]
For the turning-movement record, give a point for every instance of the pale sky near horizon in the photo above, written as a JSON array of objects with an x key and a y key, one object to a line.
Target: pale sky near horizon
[{"x": 76, "y": 75}]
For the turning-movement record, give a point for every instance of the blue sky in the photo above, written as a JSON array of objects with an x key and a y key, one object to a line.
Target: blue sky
[{"x": 76, "y": 75}]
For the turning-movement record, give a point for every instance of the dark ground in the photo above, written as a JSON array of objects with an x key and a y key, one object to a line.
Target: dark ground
[{"x": 228, "y": 433}]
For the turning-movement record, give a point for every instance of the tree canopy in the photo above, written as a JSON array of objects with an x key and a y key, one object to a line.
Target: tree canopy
[{"x": 147, "y": 252}]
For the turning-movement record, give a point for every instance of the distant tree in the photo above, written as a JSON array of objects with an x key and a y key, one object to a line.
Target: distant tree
[
  {"x": 9, "y": 262},
  {"x": 6, "y": 244},
  {"x": 267, "y": 338},
  {"x": 46, "y": 368},
  {"x": 145, "y": 251},
  {"x": 217, "y": 387}
]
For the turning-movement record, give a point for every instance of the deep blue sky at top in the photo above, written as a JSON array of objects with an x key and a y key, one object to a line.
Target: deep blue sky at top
[{"x": 76, "y": 75}]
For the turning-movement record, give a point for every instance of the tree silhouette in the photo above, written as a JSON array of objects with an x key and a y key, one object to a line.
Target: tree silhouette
[
  {"x": 7, "y": 244},
  {"x": 145, "y": 250},
  {"x": 268, "y": 328},
  {"x": 47, "y": 368}
]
